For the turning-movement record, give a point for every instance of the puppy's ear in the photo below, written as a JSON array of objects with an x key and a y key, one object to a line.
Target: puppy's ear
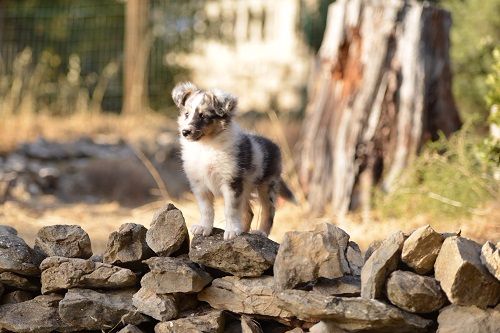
[
  {"x": 181, "y": 92},
  {"x": 225, "y": 104}
]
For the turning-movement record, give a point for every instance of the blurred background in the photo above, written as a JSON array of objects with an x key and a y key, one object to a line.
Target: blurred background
[{"x": 386, "y": 111}]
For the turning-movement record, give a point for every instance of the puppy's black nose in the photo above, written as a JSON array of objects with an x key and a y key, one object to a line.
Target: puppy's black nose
[{"x": 186, "y": 132}]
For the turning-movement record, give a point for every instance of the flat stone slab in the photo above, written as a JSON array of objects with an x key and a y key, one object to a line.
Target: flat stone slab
[
  {"x": 92, "y": 310},
  {"x": 351, "y": 314},
  {"x": 354, "y": 258},
  {"x": 62, "y": 240},
  {"x": 246, "y": 255},
  {"x": 174, "y": 275},
  {"x": 127, "y": 246},
  {"x": 244, "y": 295},
  {"x": 346, "y": 286},
  {"x": 415, "y": 293},
  {"x": 130, "y": 329},
  {"x": 305, "y": 256},
  {"x": 17, "y": 257},
  {"x": 380, "y": 264},
  {"x": 16, "y": 296},
  {"x": 421, "y": 249},
  {"x": 168, "y": 232},
  {"x": 462, "y": 276},
  {"x": 161, "y": 307},
  {"x": 470, "y": 319},
  {"x": 15, "y": 281},
  {"x": 211, "y": 321},
  {"x": 490, "y": 257},
  {"x": 39, "y": 315},
  {"x": 60, "y": 273}
]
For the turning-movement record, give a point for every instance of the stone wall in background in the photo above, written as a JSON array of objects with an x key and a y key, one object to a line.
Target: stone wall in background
[{"x": 315, "y": 281}]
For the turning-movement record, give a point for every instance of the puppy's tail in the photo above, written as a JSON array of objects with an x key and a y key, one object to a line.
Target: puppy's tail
[{"x": 285, "y": 192}]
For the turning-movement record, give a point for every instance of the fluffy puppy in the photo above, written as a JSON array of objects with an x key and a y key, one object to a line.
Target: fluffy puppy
[{"x": 219, "y": 158}]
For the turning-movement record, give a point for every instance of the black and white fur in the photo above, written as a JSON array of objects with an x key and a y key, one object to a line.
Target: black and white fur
[{"x": 219, "y": 158}]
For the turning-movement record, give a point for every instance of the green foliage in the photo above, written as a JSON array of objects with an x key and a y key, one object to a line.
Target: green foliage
[
  {"x": 474, "y": 34},
  {"x": 449, "y": 179}
]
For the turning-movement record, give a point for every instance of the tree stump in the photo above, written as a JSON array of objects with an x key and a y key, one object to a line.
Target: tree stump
[{"x": 381, "y": 88}]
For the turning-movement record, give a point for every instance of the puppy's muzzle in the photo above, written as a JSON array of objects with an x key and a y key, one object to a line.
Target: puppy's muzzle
[{"x": 192, "y": 135}]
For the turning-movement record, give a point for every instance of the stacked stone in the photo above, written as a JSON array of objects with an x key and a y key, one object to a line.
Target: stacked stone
[{"x": 315, "y": 281}]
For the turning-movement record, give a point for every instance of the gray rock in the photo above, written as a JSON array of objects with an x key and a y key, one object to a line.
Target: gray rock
[
  {"x": 38, "y": 315},
  {"x": 130, "y": 329},
  {"x": 247, "y": 255},
  {"x": 161, "y": 307},
  {"x": 414, "y": 293},
  {"x": 211, "y": 321},
  {"x": 371, "y": 248},
  {"x": 69, "y": 241},
  {"x": 309, "y": 255},
  {"x": 16, "y": 296},
  {"x": 490, "y": 257},
  {"x": 127, "y": 246},
  {"x": 462, "y": 277},
  {"x": 92, "y": 310},
  {"x": 354, "y": 258},
  {"x": 326, "y": 326},
  {"x": 60, "y": 273},
  {"x": 351, "y": 314},
  {"x": 421, "y": 249},
  {"x": 244, "y": 295},
  {"x": 248, "y": 325},
  {"x": 7, "y": 230},
  {"x": 347, "y": 286},
  {"x": 18, "y": 282},
  {"x": 168, "y": 231},
  {"x": 380, "y": 264},
  {"x": 470, "y": 319},
  {"x": 17, "y": 257},
  {"x": 174, "y": 275}
]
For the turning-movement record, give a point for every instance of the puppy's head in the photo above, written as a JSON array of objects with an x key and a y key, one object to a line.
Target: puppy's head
[{"x": 203, "y": 114}]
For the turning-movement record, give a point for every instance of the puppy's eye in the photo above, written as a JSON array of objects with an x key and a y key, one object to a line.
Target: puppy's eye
[
  {"x": 186, "y": 114},
  {"x": 202, "y": 116}
]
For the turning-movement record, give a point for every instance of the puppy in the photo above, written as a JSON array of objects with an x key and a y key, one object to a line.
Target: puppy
[{"x": 219, "y": 158}]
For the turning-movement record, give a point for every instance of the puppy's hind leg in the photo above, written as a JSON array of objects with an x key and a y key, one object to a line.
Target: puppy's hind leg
[
  {"x": 267, "y": 196},
  {"x": 247, "y": 216},
  {"x": 206, "y": 205}
]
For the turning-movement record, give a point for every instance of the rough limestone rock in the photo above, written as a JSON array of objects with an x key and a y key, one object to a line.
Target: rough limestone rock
[
  {"x": 247, "y": 255},
  {"x": 244, "y": 295},
  {"x": 380, "y": 264},
  {"x": 470, "y": 319},
  {"x": 168, "y": 231},
  {"x": 326, "y": 326},
  {"x": 174, "y": 275},
  {"x": 17, "y": 257},
  {"x": 347, "y": 286},
  {"x": 211, "y": 321},
  {"x": 127, "y": 246},
  {"x": 371, "y": 248},
  {"x": 354, "y": 258},
  {"x": 92, "y": 310},
  {"x": 69, "y": 241},
  {"x": 161, "y": 307},
  {"x": 305, "y": 256},
  {"x": 7, "y": 230},
  {"x": 130, "y": 329},
  {"x": 421, "y": 249},
  {"x": 351, "y": 314},
  {"x": 248, "y": 325},
  {"x": 414, "y": 293},
  {"x": 462, "y": 277},
  {"x": 15, "y": 281},
  {"x": 16, "y": 296},
  {"x": 490, "y": 257},
  {"x": 60, "y": 273},
  {"x": 39, "y": 315}
]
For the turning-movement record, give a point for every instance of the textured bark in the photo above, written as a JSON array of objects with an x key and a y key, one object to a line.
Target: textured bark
[{"x": 381, "y": 88}]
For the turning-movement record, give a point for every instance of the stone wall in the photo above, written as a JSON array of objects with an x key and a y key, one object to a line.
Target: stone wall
[{"x": 158, "y": 280}]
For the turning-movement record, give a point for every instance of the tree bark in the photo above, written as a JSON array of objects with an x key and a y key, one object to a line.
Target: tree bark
[
  {"x": 137, "y": 47},
  {"x": 381, "y": 88}
]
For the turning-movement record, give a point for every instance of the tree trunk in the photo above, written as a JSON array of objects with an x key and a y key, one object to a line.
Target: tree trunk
[
  {"x": 381, "y": 88},
  {"x": 137, "y": 47}
]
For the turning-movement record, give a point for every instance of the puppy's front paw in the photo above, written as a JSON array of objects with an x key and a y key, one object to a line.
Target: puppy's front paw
[
  {"x": 258, "y": 232},
  {"x": 199, "y": 229},
  {"x": 232, "y": 233}
]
